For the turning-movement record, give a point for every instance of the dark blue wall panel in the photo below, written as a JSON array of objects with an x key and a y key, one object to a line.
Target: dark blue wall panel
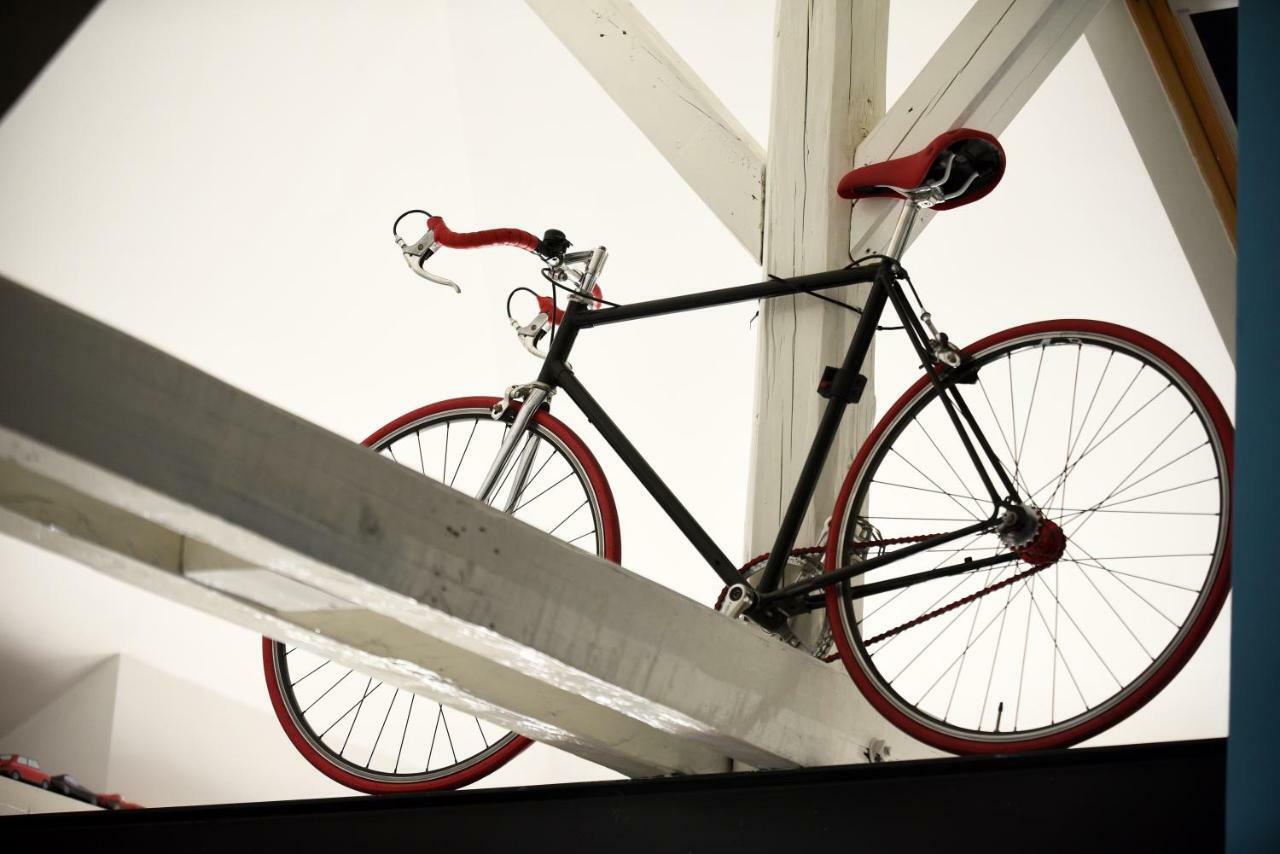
[{"x": 1253, "y": 765}]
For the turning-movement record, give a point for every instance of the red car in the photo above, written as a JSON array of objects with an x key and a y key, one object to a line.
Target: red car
[
  {"x": 115, "y": 802},
  {"x": 23, "y": 768}
]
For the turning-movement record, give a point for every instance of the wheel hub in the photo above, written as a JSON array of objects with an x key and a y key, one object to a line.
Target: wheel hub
[{"x": 1046, "y": 547}]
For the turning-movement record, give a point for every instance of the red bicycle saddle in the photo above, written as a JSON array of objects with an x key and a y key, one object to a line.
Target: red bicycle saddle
[{"x": 977, "y": 166}]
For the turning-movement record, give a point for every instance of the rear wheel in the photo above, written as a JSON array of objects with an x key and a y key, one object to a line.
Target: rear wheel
[
  {"x": 375, "y": 737},
  {"x": 1115, "y": 440}
]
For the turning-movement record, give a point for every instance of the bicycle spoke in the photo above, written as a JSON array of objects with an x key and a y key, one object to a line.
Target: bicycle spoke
[
  {"x": 374, "y": 749},
  {"x": 444, "y": 464},
  {"x": 1128, "y": 587},
  {"x": 1058, "y": 656},
  {"x": 445, "y": 719},
  {"x": 572, "y": 513},
  {"x": 405, "y": 732},
  {"x": 933, "y": 491},
  {"x": 1071, "y": 420},
  {"x": 1085, "y": 517},
  {"x": 1022, "y": 668},
  {"x": 1113, "y": 610},
  {"x": 542, "y": 493},
  {"x": 554, "y": 496},
  {"x": 1089, "y": 643},
  {"x": 995, "y": 653},
  {"x": 1142, "y": 577},
  {"x": 341, "y": 679},
  {"x": 1097, "y": 387},
  {"x": 944, "y": 459},
  {"x": 968, "y": 643},
  {"x": 301, "y": 679},
  {"x": 590, "y": 533},
  {"x": 463, "y": 456},
  {"x": 938, "y": 488},
  {"x": 1026, "y": 424}
]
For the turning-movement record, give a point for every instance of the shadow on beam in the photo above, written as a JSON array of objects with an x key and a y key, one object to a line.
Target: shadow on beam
[{"x": 1160, "y": 797}]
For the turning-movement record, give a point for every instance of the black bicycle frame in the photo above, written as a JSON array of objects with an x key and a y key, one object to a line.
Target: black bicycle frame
[{"x": 841, "y": 386}]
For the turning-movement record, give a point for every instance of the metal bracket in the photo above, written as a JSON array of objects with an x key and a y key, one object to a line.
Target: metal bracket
[
  {"x": 737, "y": 599},
  {"x": 516, "y": 392},
  {"x": 877, "y": 751}
]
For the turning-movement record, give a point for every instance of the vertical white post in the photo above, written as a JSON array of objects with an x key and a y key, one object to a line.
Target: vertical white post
[{"x": 828, "y": 92}]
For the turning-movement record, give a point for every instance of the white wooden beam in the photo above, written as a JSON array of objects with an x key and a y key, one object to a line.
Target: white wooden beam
[
  {"x": 828, "y": 91},
  {"x": 1162, "y": 142},
  {"x": 986, "y": 70},
  {"x": 658, "y": 91},
  {"x": 153, "y": 472}
]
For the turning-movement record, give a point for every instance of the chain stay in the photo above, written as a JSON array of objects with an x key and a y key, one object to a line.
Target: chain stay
[{"x": 897, "y": 541}]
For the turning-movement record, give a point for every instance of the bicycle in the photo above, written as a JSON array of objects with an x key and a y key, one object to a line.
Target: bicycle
[{"x": 958, "y": 548}]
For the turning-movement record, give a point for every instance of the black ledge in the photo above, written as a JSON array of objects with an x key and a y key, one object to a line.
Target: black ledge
[{"x": 1157, "y": 797}]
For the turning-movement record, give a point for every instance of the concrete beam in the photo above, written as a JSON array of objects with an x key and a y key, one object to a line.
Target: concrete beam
[{"x": 139, "y": 465}]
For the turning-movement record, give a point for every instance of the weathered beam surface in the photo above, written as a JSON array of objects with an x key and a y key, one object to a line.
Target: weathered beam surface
[
  {"x": 828, "y": 91},
  {"x": 668, "y": 102},
  {"x": 158, "y": 474},
  {"x": 1162, "y": 143},
  {"x": 986, "y": 70}
]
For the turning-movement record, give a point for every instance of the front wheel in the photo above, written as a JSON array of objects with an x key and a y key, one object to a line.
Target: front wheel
[
  {"x": 1109, "y": 437},
  {"x": 374, "y": 737}
]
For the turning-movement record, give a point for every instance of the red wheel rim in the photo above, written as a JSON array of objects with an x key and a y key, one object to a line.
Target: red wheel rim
[
  {"x": 1155, "y": 682},
  {"x": 612, "y": 551}
]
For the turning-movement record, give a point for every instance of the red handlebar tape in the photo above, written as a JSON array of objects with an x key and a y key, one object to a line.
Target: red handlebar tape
[{"x": 517, "y": 237}]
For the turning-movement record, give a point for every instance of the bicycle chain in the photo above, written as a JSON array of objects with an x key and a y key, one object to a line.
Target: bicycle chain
[
  {"x": 897, "y": 541},
  {"x": 812, "y": 550},
  {"x": 964, "y": 600}
]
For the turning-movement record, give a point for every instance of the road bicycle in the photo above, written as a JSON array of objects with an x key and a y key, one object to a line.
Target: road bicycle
[{"x": 1031, "y": 542}]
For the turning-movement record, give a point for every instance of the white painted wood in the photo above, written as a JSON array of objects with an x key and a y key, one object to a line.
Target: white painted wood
[
  {"x": 981, "y": 76},
  {"x": 828, "y": 91},
  {"x": 658, "y": 91},
  {"x": 1162, "y": 144},
  {"x": 126, "y": 459}
]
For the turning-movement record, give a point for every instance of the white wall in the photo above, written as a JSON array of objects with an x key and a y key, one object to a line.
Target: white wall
[{"x": 72, "y": 734}]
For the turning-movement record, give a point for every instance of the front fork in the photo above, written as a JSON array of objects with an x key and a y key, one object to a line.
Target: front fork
[{"x": 534, "y": 398}]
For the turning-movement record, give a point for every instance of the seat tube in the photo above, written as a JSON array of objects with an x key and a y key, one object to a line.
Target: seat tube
[{"x": 859, "y": 345}]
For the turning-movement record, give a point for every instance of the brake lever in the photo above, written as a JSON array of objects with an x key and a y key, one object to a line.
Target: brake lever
[
  {"x": 430, "y": 277},
  {"x": 531, "y": 333},
  {"x": 416, "y": 255}
]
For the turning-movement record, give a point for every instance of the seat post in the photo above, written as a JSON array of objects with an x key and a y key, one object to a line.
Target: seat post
[{"x": 901, "y": 231}]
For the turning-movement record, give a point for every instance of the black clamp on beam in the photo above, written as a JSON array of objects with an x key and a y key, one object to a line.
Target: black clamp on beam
[{"x": 845, "y": 386}]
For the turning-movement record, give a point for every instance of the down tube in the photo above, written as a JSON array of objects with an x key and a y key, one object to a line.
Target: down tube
[{"x": 649, "y": 478}]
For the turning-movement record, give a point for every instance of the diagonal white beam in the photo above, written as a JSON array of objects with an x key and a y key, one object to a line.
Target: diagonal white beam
[
  {"x": 1162, "y": 144},
  {"x": 153, "y": 472},
  {"x": 986, "y": 70},
  {"x": 667, "y": 101}
]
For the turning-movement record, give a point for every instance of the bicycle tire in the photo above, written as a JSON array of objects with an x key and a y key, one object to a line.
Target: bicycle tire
[
  {"x": 887, "y": 693},
  {"x": 292, "y": 717}
]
